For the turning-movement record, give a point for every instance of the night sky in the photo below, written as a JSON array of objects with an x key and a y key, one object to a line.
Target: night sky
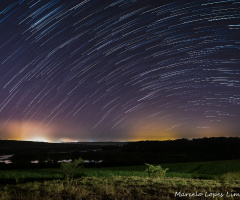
[{"x": 98, "y": 70}]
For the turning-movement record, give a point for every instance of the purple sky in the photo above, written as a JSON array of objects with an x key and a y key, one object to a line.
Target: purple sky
[{"x": 119, "y": 70}]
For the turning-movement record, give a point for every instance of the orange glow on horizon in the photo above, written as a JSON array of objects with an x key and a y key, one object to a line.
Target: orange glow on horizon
[
  {"x": 38, "y": 139},
  {"x": 66, "y": 140},
  {"x": 148, "y": 130},
  {"x": 25, "y": 130},
  {"x": 151, "y": 131}
]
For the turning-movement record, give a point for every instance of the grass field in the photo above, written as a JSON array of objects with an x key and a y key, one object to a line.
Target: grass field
[
  {"x": 132, "y": 182},
  {"x": 119, "y": 187},
  {"x": 200, "y": 170}
]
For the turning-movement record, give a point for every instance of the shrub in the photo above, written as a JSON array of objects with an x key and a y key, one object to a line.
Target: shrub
[
  {"x": 156, "y": 171},
  {"x": 69, "y": 168}
]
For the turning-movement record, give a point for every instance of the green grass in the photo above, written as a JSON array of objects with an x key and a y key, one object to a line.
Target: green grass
[
  {"x": 37, "y": 174},
  {"x": 200, "y": 170},
  {"x": 132, "y": 182},
  {"x": 206, "y": 170}
]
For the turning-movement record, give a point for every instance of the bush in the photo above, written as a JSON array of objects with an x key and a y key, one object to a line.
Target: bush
[
  {"x": 69, "y": 168},
  {"x": 156, "y": 171}
]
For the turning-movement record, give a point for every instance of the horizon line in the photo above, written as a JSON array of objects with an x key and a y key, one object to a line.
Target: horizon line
[{"x": 110, "y": 141}]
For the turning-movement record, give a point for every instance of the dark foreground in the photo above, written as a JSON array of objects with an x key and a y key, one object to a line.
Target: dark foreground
[{"x": 207, "y": 168}]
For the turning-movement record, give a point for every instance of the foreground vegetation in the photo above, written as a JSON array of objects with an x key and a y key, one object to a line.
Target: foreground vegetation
[
  {"x": 205, "y": 179},
  {"x": 217, "y": 170},
  {"x": 183, "y": 169},
  {"x": 119, "y": 187}
]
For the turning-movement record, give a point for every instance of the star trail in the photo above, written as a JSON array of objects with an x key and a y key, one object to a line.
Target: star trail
[{"x": 121, "y": 70}]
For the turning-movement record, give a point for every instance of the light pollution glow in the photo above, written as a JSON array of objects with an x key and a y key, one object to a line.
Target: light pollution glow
[
  {"x": 97, "y": 70},
  {"x": 32, "y": 131}
]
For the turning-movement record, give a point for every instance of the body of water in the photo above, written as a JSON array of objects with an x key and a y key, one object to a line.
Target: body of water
[{"x": 7, "y": 160}]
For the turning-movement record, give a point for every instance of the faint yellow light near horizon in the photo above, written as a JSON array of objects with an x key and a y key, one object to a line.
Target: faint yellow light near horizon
[
  {"x": 27, "y": 130},
  {"x": 38, "y": 139},
  {"x": 151, "y": 131},
  {"x": 66, "y": 140}
]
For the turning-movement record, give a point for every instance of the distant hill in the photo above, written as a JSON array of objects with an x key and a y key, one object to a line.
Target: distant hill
[
  {"x": 122, "y": 153},
  {"x": 13, "y": 146},
  {"x": 184, "y": 150}
]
